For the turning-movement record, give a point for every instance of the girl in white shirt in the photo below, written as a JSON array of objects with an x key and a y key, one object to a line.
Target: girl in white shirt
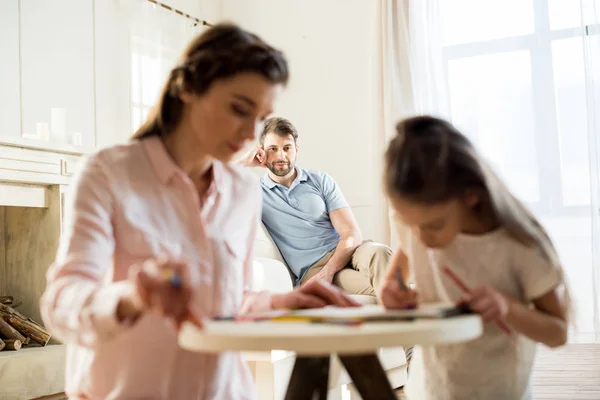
[{"x": 453, "y": 212}]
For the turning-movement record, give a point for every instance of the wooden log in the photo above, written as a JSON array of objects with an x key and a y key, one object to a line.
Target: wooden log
[
  {"x": 30, "y": 329},
  {"x": 12, "y": 344},
  {"x": 26, "y": 326},
  {"x": 10, "y": 301},
  {"x": 8, "y": 310},
  {"x": 9, "y": 332},
  {"x": 2, "y": 344}
]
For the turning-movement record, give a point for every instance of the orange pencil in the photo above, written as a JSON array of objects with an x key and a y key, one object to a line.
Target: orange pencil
[{"x": 466, "y": 289}]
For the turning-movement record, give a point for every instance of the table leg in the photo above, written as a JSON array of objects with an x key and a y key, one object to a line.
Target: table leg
[
  {"x": 310, "y": 377},
  {"x": 368, "y": 376}
]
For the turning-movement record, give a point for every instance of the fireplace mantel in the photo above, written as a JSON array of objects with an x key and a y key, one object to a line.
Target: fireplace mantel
[
  {"x": 33, "y": 183},
  {"x": 35, "y": 165}
]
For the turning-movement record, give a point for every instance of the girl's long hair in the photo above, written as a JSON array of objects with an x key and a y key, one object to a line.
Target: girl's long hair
[{"x": 430, "y": 161}]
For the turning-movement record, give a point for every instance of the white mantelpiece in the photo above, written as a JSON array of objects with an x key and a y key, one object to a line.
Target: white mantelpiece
[{"x": 33, "y": 184}]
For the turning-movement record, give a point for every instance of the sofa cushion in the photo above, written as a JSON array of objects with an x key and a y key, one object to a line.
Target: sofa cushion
[
  {"x": 270, "y": 275},
  {"x": 265, "y": 247}
]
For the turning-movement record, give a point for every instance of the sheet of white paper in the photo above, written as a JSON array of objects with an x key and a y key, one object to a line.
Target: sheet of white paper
[{"x": 374, "y": 312}]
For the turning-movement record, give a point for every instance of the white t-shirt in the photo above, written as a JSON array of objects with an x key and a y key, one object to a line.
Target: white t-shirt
[{"x": 494, "y": 366}]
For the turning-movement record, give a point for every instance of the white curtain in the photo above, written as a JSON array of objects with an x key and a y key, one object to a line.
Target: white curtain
[
  {"x": 590, "y": 18},
  {"x": 413, "y": 73},
  {"x": 527, "y": 93},
  {"x": 412, "y": 66}
]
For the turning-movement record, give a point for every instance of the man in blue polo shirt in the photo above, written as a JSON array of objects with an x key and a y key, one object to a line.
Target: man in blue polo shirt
[{"x": 310, "y": 221}]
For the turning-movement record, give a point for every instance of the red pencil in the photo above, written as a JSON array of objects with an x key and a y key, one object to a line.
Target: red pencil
[{"x": 466, "y": 289}]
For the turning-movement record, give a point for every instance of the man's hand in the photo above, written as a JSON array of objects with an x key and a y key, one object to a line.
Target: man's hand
[
  {"x": 325, "y": 275},
  {"x": 256, "y": 157},
  {"x": 313, "y": 294}
]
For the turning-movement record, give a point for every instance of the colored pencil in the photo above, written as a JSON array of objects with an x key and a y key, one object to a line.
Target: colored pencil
[{"x": 466, "y": 289}]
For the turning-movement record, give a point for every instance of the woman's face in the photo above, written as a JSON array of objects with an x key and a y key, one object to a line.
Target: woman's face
[{"x": 229, "y": 114}]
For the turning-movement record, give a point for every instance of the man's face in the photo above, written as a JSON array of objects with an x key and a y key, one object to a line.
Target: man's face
[{"x": 281, "y": 153}]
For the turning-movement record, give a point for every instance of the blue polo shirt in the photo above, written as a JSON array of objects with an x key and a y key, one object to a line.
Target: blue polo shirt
[{"x": 298, "y": 217}]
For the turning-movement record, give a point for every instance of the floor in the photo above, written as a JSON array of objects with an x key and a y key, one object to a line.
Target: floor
[{"x": 570, "y": 373}]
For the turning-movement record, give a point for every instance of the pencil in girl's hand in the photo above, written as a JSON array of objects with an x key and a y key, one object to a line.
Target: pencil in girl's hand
[
  {"x": 401, "y": 280},
  {"x": 456, "y": 280},
  {"x": 403, "y": 286},
  {"x": 466, "y": 289}
]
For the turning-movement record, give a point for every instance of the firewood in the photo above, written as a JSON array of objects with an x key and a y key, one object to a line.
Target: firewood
[
  {"x": 9, "y": 332},
  {"x": 30, "y": 329},
  {"x": 8, "y": 300},
  {"x": 2, "y": 344},
  {"x": 12, "y": 344},
  {"x": 8, "y": 310},
  {"x": 24, "y": 325}
]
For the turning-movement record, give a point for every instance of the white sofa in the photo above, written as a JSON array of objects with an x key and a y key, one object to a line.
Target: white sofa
[{"x": 272, "y": 370}]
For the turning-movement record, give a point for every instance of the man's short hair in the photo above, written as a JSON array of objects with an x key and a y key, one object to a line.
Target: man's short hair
[{"x": 280, "y": 126}]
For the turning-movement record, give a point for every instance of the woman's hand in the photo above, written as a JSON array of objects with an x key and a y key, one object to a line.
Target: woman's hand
[
  {"x": 313, "y": 294},
  {"x": 160, "y": 286}
]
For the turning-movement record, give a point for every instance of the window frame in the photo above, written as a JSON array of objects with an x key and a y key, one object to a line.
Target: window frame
[
  {"x": 144, "y": 47},
  {"x": 547, "y": 137}
]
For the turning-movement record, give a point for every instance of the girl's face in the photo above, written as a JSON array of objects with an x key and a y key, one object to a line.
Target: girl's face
[
  {"x": 436, "y": 225},
  {"x": 230, "y": 114}
]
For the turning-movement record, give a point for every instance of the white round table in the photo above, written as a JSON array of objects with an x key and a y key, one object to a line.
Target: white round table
[
  {"x": 319, "y": 339},
  {"x": 356, "y": 347}
]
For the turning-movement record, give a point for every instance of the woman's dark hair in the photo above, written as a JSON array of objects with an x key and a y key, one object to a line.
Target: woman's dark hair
[{"x": 220, "y": 52}]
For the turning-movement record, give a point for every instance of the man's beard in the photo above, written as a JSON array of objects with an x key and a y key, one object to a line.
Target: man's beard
[{"x": 280, "y": 171}]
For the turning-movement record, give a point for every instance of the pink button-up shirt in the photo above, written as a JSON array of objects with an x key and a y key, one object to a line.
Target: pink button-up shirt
[{"x": 130, "y": 203}]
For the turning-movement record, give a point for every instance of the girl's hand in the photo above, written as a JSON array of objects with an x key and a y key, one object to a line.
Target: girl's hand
[
  {"x": 488, "y": 302},
  {"x": 160, "y": 286},
  {"x": 393, "y": 292},
  {"x": 313, "y": 294},
  {"x": 393, "y": 296}
]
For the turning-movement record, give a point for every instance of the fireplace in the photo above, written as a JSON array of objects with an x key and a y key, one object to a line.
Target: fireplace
[{"x": 32, "y": 188}]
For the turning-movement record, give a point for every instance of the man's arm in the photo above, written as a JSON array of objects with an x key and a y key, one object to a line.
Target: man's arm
[{"x": 350, "y": 238}]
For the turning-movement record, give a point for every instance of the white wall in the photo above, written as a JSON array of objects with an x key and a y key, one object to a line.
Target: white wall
[
  {"x": 333, "y": 96},
  {"x": 207, "y": 10}
]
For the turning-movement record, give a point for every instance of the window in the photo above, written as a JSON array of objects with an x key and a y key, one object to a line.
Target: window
[
  {"x": 517, "y": 86},
  {"x": 150, "y": 67},
  {"x": 156, "y": 39}
]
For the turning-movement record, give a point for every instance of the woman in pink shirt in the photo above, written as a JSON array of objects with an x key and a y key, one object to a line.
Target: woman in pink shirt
[{"x": 161, "y": 230}]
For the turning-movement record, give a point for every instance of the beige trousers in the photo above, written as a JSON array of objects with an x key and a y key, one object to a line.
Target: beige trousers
[{"x": 363, "y": 274}]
